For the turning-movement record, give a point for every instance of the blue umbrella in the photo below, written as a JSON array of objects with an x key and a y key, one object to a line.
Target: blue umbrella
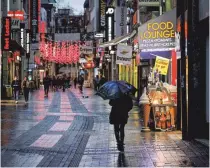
[{"x": 115, "y": 89}]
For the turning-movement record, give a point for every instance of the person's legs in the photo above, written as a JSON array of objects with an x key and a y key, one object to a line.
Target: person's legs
[
  {"x": 24, "y": 93},
  {"x": 116, "y": 132},
  {"x": 27, "y": 94},
  {"x": 122, "y": 133},
  {"x": 45, "y": 90}
]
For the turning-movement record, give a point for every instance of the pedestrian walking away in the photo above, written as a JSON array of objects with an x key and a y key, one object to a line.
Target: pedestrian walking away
[
  {"x": 96, "y": 83},
  {"x": 16, "y": 89},
  {"x": 81, "y": 82},
  {"x": 75, "y": 82},
  {"x": 46, "y": 82},
  {"x": 119, "y": 117},
  {"x": 25, "y": 88}
]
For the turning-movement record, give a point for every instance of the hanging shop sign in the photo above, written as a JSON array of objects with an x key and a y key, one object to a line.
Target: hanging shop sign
[
  {"x": 102, "y": 14},
  {"x": 6, "y": 33},
  {"x": 15, "y": 23},
  {"x": 121, "y": 20},
  {"x": 158, "y": 34},
  {"x": 27, "y": 43},
  {"x": 162, "y": 65},
  {"x": 109, "y": 33},
  {"x": 16, "y": 14},
  {"x": 86, "y": 50},
  {"x": 34, "y": 20},
  {"x": 87, "y": 36},
  {"x": 124, "y": 54},
  {"x": 149, "y": 2}
]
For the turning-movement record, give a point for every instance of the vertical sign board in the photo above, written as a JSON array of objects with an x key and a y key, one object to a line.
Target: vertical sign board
[
  {"x": 6, "y": 33},
  {"x": 22, "y": 26},
  {"x": 27, "y": 43},
  {"x": 121, "y": 19},
  {"x": 109, "y": 34},
  {"x": 102, "y": 15},
  {"x": 34, "y": 20}
]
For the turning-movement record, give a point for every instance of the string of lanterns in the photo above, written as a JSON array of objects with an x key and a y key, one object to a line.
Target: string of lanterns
[{"x": 63, "y": 52}]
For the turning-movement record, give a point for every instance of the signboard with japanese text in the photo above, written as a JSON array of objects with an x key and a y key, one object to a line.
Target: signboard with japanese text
[
  {"x": 162, "y": 65},
  {"x": 124, "y": 54},
  {"x": 6, "y": 33}
]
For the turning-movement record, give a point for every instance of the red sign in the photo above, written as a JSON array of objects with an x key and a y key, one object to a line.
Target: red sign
[
  {"x": 16, "y": 14},
  {"x": 6, "y": 33},
  {"x": 42, "y": 27}
]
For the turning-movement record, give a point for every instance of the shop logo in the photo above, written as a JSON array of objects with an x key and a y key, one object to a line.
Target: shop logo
[
  {"x": 123, "y": 52},
  {"x": 110, "y": 11}
]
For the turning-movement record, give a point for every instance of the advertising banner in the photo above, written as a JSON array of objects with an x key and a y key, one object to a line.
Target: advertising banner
[
  {"x": 162, "y": 65},
  {"x": 158, "y": 34},
  {"x": 16, "y": 14},
  {"x": 6, "y": 33},
  {"x": 102, "y": 14},
  {"x": 34, "y": 20},
  {"x": 120, "y": 20},
  {"x": 124, "y": 54}
]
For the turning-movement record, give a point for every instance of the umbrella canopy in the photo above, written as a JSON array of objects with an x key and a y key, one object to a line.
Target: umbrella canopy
[{"x": 115, "y": 89}]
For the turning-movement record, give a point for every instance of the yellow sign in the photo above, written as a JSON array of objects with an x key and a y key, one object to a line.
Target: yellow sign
[
  {"x": 162, "y": 65},
  {"x": 158, "y": 30}
]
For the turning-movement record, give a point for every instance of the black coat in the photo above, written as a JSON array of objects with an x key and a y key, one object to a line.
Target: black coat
[{"x": 120, "y": 109}]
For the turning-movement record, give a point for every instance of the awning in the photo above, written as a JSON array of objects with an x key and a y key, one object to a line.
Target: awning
[
  {"x": 118, "y": 40},
  {"x": 16, "y": 46}
]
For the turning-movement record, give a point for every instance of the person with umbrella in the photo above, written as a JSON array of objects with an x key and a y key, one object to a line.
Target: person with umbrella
[{"x": 119, "y": 93}]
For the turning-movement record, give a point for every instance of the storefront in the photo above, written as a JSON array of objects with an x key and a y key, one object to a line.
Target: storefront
[{"x": 158, "y": 72}]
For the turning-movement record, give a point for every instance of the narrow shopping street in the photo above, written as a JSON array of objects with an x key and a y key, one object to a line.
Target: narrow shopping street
[{"x": 66, "y": 130}]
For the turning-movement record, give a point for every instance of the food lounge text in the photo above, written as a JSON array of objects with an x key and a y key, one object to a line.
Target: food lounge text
[{"x": 158, "y": 30}]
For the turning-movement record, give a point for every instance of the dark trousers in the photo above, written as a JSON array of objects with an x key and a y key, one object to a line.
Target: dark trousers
[
  {"x": 75, "y": 85},
  {"x": 119, "y": 133},
  {"x": 46, "y": 89},
  {"x": 16, "y": 94},
  {"x": 26, "y": 93}
]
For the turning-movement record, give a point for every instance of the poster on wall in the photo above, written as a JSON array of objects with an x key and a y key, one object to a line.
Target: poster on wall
[
  {"x": 158, "y": 34},
  {"x": 161, "y": 64},
  {"x": 124, "y": 54}
]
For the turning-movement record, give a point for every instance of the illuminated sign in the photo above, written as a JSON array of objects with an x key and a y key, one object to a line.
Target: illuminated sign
[
  {"x": 158, "y": 34},
  {"x": 27, "y": 42},
  {"x": 6, "y": 33},
  {"x": 16, "y": 14}
]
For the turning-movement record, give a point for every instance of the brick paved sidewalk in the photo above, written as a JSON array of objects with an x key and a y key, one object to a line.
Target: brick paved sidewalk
[
  {"x": 68, "y": 130},
  {"x": 149, "y": 149}
]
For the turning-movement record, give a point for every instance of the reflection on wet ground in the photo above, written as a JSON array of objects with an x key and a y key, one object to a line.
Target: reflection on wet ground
[{"x": 68, "y": 130}]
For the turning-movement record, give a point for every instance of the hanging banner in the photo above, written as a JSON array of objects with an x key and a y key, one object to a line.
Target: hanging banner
[
  {"x": 102, "y": 14},
  {"x": 6, "y": 33},
  {"x": 34, "y": 20},
  {"x": 124, "y": 54},
  {"x": 162, "y": 65},
  {"x": 121, "y": 19},
  {"x": 158, "y": 34}
]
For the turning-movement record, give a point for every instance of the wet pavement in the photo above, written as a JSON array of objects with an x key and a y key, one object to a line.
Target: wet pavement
[{"x": 67, "y": 130}]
